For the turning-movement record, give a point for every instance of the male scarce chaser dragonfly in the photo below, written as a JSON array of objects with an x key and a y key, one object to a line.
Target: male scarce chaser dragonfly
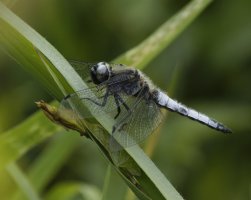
[{"x": 130, "y": 98}]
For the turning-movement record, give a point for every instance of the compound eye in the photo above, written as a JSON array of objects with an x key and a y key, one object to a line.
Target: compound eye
[{"x": 102, "y": 68}]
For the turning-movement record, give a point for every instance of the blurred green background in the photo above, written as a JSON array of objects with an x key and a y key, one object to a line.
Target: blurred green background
[{"x": 207, "y": 68}]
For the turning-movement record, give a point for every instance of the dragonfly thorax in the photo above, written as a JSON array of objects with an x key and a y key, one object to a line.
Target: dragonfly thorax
[{"x": 100, "y": 72}]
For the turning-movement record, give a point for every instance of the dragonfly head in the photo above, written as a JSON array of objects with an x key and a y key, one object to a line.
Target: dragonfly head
[{"x": 100, "y": 72}]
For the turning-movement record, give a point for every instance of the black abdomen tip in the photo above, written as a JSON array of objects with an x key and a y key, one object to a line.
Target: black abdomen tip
[{"x": 224, "y": 129}]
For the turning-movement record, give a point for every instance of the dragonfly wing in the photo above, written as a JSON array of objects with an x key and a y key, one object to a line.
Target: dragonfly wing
[
  {"x": 82, "y": 68},
  {"x": 89, "y": 102},
  {"x": 135, "y": 127}
]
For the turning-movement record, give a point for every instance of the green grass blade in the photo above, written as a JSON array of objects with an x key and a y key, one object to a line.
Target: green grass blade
[
  {"x": 21, "y": 41},
  {"x": 15, "y": 142},
  {"x": 146, "y": 51},
  {"x": 73, "y": 190},
  {"x": 106, "y": 182},
  {"x": 22, "y": 182},
  {"x": 50, "y": 161}
]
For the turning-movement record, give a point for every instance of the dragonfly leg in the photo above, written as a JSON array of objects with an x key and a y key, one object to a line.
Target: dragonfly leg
[
  {"x": 97, "y": 103},
  {"x": 121, "y": 122},
  {"x": 122, "y": 101},
  {"x": 118, "y": 106},
  {"x": 117, "y": 100}
]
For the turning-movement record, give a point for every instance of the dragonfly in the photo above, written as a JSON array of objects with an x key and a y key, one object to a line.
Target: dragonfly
[{"x": 130, "y": 98}]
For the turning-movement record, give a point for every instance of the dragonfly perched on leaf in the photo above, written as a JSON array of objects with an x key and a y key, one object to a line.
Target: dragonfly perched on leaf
[{"x": 130, "y": 98}]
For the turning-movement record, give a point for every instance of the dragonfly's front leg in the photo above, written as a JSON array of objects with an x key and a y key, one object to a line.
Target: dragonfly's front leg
[{"x": 105, "y": 97}]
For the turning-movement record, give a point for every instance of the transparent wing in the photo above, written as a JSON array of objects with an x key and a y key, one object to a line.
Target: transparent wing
[
  {"x": 93, "y": 101},
  {"x": 83, "y": 69},
  {"x": 133, "y": 128}
]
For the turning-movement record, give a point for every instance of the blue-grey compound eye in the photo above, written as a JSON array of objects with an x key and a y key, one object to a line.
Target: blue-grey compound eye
[{"x": 102, "y": 68}]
